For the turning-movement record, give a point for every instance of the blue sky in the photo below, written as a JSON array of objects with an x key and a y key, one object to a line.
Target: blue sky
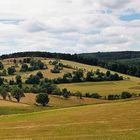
[
  {"x": 70, "y": 26},
  {"x": 130, "y": 17}
]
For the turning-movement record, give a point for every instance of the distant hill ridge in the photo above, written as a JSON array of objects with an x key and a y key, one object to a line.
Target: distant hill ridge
[
  {"x": 127, "y": 62},
  {"x": 97, "y": 55}
]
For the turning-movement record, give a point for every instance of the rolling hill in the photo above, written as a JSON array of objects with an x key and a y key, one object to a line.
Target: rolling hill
[{"x": 72, "y": 118}]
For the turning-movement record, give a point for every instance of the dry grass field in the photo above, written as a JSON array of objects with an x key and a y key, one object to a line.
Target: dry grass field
[{"x": 111, "y": 121}]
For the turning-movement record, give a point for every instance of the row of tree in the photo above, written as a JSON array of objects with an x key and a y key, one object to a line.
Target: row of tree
[
  {"x": 123, "y": 95},
  {"x": 79, "y": 76},
  {"x": 76, "y": 76},
  {"x": 34, "y": 65}
]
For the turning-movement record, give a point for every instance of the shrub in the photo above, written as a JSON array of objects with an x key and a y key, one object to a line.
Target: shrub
[
  {"x": 24, "y": 68},
  {"x": 1, "y": 66},
  {"x": 12, "y": 82},
  {"x": 11, "y": 70},
  {"x": 56, "y": 69},
  {"x": 33, "y": 79},
  {"x": 19, "y": 81},
  {"x": 3, "y": 92},
  {"x": 42, "y": 99},
  {"x": 126, "y": 95},
  {"x": 17, "y": 93},
  {"x": 95, "y": 95},
  {"x": 65, "y": 93},
  {"x": 40, "y": 74}
]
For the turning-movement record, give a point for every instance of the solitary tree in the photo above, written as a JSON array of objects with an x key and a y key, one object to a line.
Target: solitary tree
[
  {"x": 1, "y": 66},
  {"x": 3, "y": 93},
  {"x": 11, "y": 70},
  {"x": 42, "y": 99},
  {"x": 40, "y": 74},
  {"x": 19, "y": 81},
  {"x": 24, "y": 67},
  {"x": 65, "y": 93},
  {"x": 17, "y": 93},
  {"x": 1, "y": 81},
  {"x": 108, "y": 73}
]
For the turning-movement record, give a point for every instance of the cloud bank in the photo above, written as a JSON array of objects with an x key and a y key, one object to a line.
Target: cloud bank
[{"x": 71, "y": 26}]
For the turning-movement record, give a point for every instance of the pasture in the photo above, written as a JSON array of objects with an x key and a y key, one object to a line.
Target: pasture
[{"x": 111, "y": 121}]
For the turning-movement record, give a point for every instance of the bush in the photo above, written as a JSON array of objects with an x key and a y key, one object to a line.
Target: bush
[
  {"x": 3, "y": 73},
  {"x": 19, "y": 81},
  {"x": 1, "y": 66},
  {"x": 3, "y": 92},
  {"x": 49, "y": 88},
  {"x": 56, "y": 69},
  {"x": 126, "y": 95},
  {"x": 17, "y": 93},
  {"x": 12, "y": 82},
  {"x": 42, "y": 99},
  {"x": 113, "y": 97},
  {"x": 95, "y": 95},
  {"x": 24, "y": 68},
  {"x": 27, "y": 60},
  {"x": 11, "y": 70},
  {"x": 33, "y": 79},
  {"x": 65, "y": 93},
  {"x": 40, "y": 74}
]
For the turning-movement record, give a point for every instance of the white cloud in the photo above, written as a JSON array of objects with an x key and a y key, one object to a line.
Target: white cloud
[{"x": 68, "y": 25}]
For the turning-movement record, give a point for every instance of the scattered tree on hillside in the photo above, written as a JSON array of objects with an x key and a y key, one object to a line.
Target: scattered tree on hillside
[
  {"x": 49, "y": 87},
  {"x": 19, "y": 81},
  {"x": 42, "y": 99},
  {"x": 56, "y": 69},
  {"x": 11, "y": 70},
  {"x": 78, "y": 75},
  {"x": 3, "y": 92},
  {"x": 1, "y": 66},
  {"x": 14, "y": 61},
  {"x": 65, "y": 93},
  {"x": 1, "y": 81},
  {"x": 17, "y": 93},
  {"x": 40, "y": 74},
  {"x": 79, "y": 95},
  {"x": 24, "y": 67},
  {"x": 33, "y": 79},
  {"x": 126, "y": 95},
  {"x": 90, "y": 76},
  {"x": 12, "y": 82}
]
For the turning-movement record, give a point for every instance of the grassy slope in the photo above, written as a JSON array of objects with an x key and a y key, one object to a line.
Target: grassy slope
[
  {"x": 104, "y": 88},
  {"x": 27, "y": 104},
  {"x": 113, "y": 121}
]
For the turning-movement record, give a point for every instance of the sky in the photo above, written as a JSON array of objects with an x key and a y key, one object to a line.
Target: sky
[{"x": 69, "y": 26}]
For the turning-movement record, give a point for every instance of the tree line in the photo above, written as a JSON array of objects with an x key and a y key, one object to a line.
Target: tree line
[{"x": 106, "y": 60}]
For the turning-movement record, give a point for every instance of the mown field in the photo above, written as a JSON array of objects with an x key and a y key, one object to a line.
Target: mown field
[{"x": 112, "y": 121}]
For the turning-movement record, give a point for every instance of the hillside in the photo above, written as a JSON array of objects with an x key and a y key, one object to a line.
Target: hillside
[
  {"x": 74, "y": 117},
  {"x": 113, "y": 55},
  {"x": 129, "y": 83},
  {"x": 126, "y": 62},
  {"x": 98, "y": 55}
]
